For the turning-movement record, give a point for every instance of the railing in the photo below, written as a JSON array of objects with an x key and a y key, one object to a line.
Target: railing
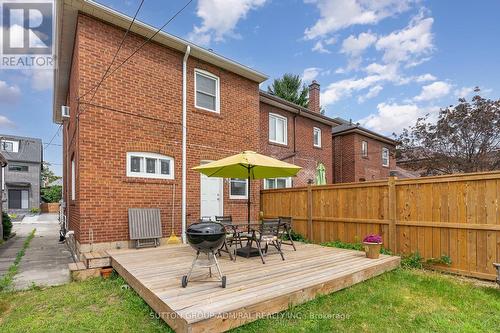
[{"x": 456, "y": 216}]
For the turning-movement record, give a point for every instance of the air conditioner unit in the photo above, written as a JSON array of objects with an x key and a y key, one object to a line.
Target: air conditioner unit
[{"x": 65, "y": 111}]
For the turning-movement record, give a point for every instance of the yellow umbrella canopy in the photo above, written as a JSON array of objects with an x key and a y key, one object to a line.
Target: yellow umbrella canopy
[{"x": 248, "y": 164}]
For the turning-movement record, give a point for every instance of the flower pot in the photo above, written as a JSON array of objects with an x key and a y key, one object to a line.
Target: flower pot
[
  {"x": 372, "y": 250},
  {"x": 106, "y": 272}
]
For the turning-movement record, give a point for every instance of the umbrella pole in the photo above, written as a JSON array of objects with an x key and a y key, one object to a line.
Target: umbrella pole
[{"x": 248, "y": 200}]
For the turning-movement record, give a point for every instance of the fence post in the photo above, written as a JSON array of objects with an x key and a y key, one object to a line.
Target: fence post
[
  {"x": 392, "y": 213},
  {"x": 309, "y": 212}
]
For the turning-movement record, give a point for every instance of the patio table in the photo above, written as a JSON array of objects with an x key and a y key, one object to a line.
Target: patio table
[{"x": 244, "y": 232}]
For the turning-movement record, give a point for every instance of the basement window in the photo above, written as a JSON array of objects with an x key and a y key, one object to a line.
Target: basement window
[
  {"x": 207, "y": 91},
  {"x": 150, "y": 165}
]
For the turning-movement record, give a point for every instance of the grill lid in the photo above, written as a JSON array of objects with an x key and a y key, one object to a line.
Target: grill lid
[{"x": 206, "y": 228}]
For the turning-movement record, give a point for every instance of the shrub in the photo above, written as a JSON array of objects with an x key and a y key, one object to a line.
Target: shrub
[
  {"x": 35, "y": 210},
  {"x": 7, "y": 225},
  {"x": 353, "y": 246},
  {"x": 52, "y": 194}
]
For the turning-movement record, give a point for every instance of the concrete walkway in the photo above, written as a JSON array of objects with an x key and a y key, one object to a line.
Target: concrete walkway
[
  {"x": 9, "y": 250},
  {"x": 46, "y": 260}
]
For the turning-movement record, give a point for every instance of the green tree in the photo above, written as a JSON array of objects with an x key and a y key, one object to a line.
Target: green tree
[
  {"x": 465, "y": 138},
  {"x": 52, "y": 194},
  {"x": 291, "y": 88},
  {"x": 48, "y": 175}
]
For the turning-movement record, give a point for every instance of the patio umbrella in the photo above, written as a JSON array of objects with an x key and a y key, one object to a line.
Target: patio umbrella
[{"x": 249, "y": 165}]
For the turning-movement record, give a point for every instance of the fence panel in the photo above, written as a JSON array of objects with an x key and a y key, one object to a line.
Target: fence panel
[{"x": 456, "y": 216}]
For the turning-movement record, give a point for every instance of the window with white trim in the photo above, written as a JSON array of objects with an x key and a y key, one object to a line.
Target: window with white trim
[
  {"x": 73, "y": 179},
  {"x": 238, "y": 188},
  {"x": 206, "y": 91},
  {"x": 278, "y": 129},
  {"x": 150, "y": 165},
  {"x": 10, "y": 146},
  {"x": 317, "y": 137},
  {"x": 385, "y": 157},
  {"x": 282, "y": 182},
  {"x": 364, "y": 148}
]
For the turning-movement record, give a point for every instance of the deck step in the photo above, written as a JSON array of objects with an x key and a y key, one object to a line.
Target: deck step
[
  {"x": 79, "y": 272},
  {"x": 97, "y": 259}
]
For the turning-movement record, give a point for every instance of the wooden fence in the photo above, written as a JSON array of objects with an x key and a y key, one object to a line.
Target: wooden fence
[{"x": 457, "y": 216}]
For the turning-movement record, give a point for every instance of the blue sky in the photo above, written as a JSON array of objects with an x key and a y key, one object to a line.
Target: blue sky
[{"x": 382, "y": 63}]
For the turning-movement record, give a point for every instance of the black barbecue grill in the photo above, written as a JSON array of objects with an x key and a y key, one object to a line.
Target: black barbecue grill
[{"x": 207, "y": 238}]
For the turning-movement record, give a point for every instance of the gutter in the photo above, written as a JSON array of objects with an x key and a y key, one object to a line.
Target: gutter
[{"x": 184, "y": 141}]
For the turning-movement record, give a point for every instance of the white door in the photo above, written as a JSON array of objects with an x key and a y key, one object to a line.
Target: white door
[{"x": 211, "y": 196}]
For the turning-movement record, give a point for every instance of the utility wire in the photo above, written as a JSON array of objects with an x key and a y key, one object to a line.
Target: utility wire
[
  {"x": 96, "y": 88},
  {"x": 53, "y": 137},
  {"x": 146, "y": 41}
]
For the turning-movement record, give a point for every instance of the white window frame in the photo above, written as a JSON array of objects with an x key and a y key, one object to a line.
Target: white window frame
[
  {"x": 318, "y": 131},
  {"x": 285, "y": 128},
  {"x": 364, "y": 148},
  {"x": 287, "y": 179},
  {"x": 217, "y": 90},
  {"x": 143, "y": 173},
  {"x": 73, "y": 180},
  {"x": 235, "y": 196},
  {"x": 385, "y": 151},
  {"x": 15, "y": 146}
]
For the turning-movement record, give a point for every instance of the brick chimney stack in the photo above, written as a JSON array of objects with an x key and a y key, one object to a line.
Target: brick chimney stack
[{"x": 314, "y": 104}]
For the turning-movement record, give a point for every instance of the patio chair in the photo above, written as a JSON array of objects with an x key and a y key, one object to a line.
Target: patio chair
[
  {"x": 286, "y": 223},
  {"x": 269, "y": 233},
  {"x": 230, "y": 235}
]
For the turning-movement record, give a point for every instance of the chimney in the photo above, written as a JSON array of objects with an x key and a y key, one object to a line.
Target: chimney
[{"x": 314, "y": 105}]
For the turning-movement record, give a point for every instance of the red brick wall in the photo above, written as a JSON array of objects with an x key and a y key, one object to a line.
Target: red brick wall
[
  {"x": 351, "y": 166},
  {"x": 307, "y": 156},
  {"x": 139, "y": 108}
]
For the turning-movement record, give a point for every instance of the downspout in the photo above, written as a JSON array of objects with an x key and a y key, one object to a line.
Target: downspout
[{"x": 184, "y": 141}]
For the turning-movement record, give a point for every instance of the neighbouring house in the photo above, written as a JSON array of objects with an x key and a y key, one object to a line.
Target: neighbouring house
[
  {"x": 133, "y": 141},
  {"x": 22, "y": 176},
  {"x": 3, "y": 164},
  {"x": 296, "y": 135},
  {"x": 360, "y": 154}
]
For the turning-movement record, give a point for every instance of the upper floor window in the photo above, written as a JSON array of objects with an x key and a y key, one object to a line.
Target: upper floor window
[
  {"x": 278, "y": 129},
  {"x": 10, "y": 146},
  {"x": 364, "y": 148},
  {"x": 271, "y": 183},
  {"x": 17, "y": 167},
  {"x": 238, "y": 188},
  {"x": 385, "y": 157},
  {"x": 150, "y": 165},
  {"x": 317, "y": 137},
  {"x": 207, "y": 91}
]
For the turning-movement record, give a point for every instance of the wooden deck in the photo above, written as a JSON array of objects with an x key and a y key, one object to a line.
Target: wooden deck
[{"x": 253, "y": 291}]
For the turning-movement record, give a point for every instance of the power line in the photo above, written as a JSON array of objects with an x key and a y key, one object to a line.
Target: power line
[
  {"x": 146, "y": 41},
  {"x": 53, "y": 137},
  {"x": 96, "y": 88}
]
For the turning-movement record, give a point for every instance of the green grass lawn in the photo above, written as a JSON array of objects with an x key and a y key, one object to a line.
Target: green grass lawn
[{"x": 401, "y": 300}]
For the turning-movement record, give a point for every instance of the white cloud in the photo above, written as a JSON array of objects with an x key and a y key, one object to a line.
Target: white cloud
[
  {"x": 434, "y": 90},
  {"x": 354, "y": 46},
  {"x": 339, "y": 14},
  {"x": 408, "y": 44},
  {"x": 41, "y": 79},
  {"x": 318, "y": 47},
  {"x": 372, "y": 92},
  {"x": 219, "y": 18},
  {"x": 9, "y": 93},
  {"x": 392, "y": 118},
  {"x": 464, "y": 92},
  {"x": 310, "y": 74},
  {"x": 425, "y": 78},
  {"x": 6, "y": 122},
  {"x": 345, "y": 88}
]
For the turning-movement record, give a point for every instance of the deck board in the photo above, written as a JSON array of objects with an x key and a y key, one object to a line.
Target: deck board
[{"x": 253, "y": 289}]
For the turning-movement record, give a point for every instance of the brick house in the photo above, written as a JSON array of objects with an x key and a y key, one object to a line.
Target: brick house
[
  {"x": 360, "y": 154},
  {"x": 132, "y": 142},
  {"x": 296, "y": 135}
]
